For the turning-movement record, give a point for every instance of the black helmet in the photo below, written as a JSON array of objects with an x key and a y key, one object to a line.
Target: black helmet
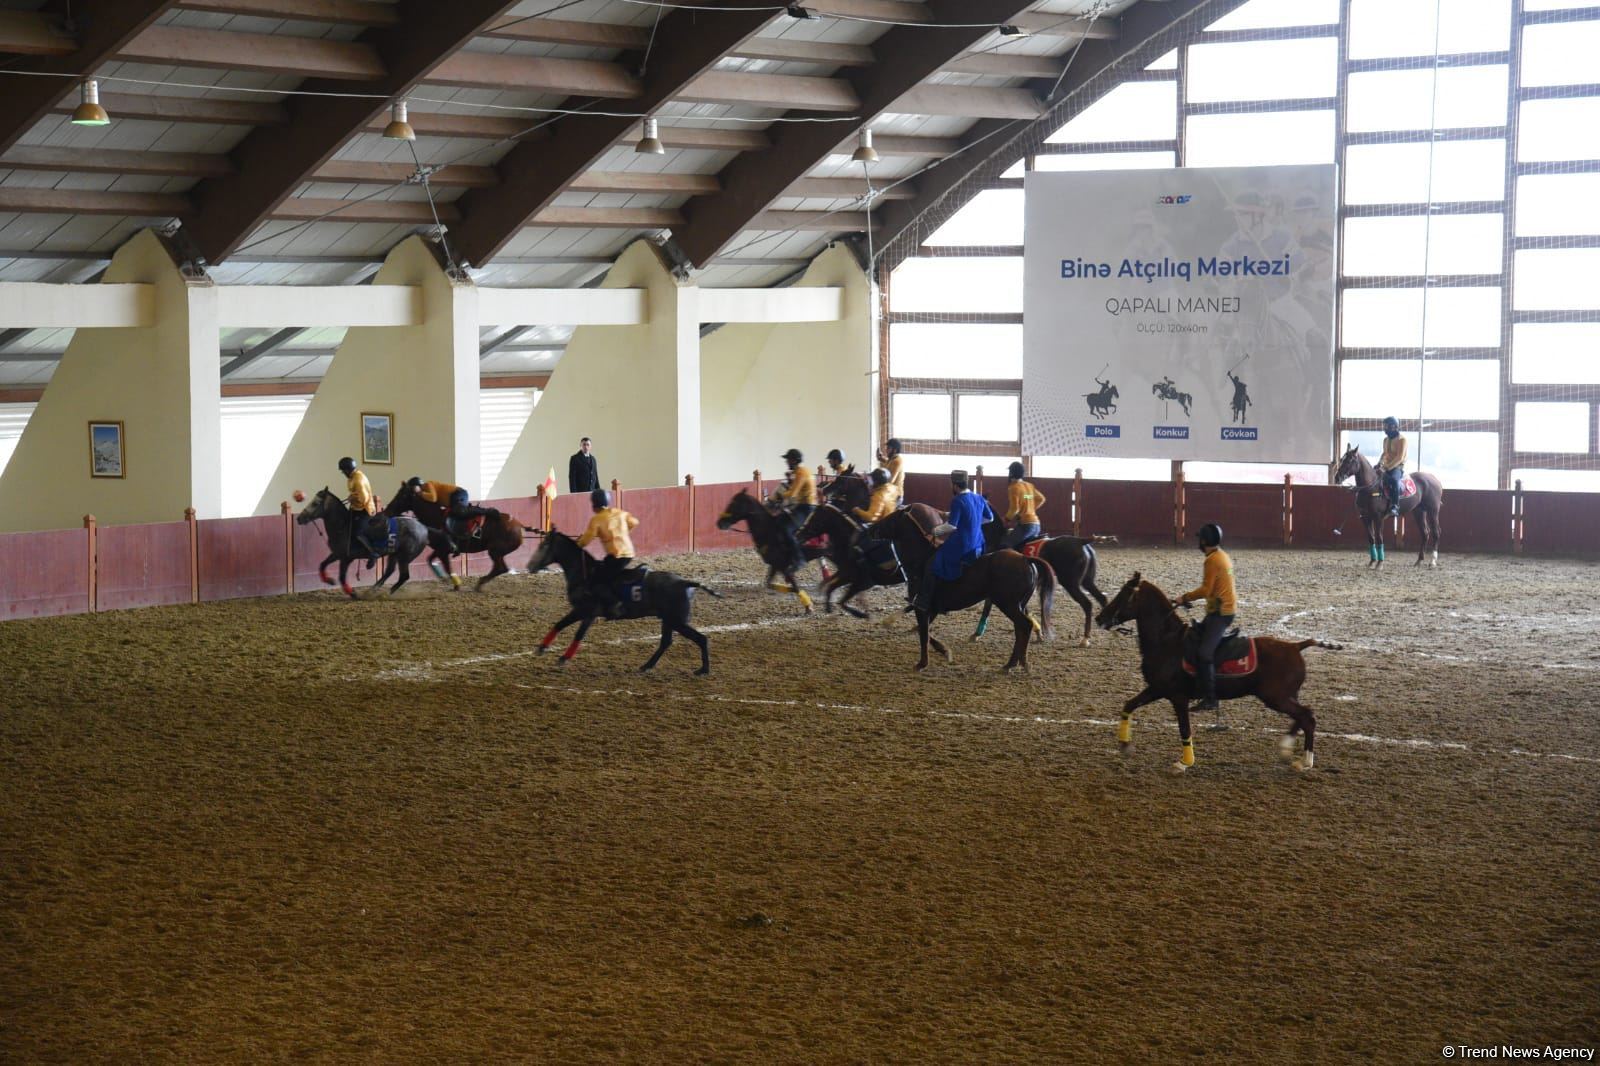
[
  {"x": 414, "y": 483},
  {"x": 880, "y": 476},
  {"x": 892, "y": 446},
  {"x": 836, "y": 456},
  {"x": 600, "y": 498},
  {"x": 1014, "y": 470},
  {"x": 1210, "y": 535},
  {"x": 347, "y": 464},
  {"x": 793, "y": 455},
  {"x": 1391, "y": 424}
]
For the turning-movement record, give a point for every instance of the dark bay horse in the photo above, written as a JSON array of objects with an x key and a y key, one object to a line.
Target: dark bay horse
[
  {"x": 1075, "y": 562},
  {"x": 411, "y": 537},
  {"x": 663, "y": 594},
  {"x": 1374, "y": 508},
  {"x": 1279, "y": 673},
  {"x": 853, "y": 573},
  {"x": 1006, "y": 577},
  {"x": 502, "y": 534},
  {"x": 771, "y": 541}
]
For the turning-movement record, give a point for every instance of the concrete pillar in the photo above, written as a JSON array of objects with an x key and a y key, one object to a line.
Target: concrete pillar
[
  {"x": 425, "y": 375},
  {"x": 635, "y": 389},
  {"x": 769, "y": 387},
  {"x": 161, "y": 379}
]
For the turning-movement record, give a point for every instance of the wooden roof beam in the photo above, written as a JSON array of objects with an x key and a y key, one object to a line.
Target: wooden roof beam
[
  {"x": 908, "y": 55},
  {"x": 344, "y": 12},
  {"x": 106, "y": 25},
  {"x": 273, "y": 161},
  {"x": 969, "y": 101},
  {"x": 687, "y": 45},
  {"x": 187, "y": 109}
]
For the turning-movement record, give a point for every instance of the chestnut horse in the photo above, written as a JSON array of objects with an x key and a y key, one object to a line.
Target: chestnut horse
[
  {"x": 1006, "y": 577},
  {"x": 853, "y": 573},
  {"x": 1280, "y": 671},
  {"x": 1374, "y": 507},
  {"x": 501, "y": 533}
]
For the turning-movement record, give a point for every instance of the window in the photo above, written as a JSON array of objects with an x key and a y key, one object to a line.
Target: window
[
  {"x": 1266, "y": 14},
  {"x": 1451, "y": 388},
  {"x": 1105, "y": 161},
  {"x": 1418, "y": 244},
  {"x": 1108, "y": 469},
  {"x": 1559, "y": 129},
  {"x": 1400, "y": 173},
  {"x": 502, "y": 414},
  {"x": 256, "y": 432},
  {"x": 982, "y": 416},
  {"x": 13, "y": 419},
  {"x": 1555, "y": 353},
  {"x": 1168, "y": 61},
  {"x": 1262, "y": 139},
  {"x": 1392, "y": 318},
  {"x": 1560, "y": 54},
  {"x": 1384, "y": 28},
  {"x": 1552, "y": 427},
  {"x": 954, "y": 350},
  {"x": 1557, "y": 279},
  {"x": 921, "y": 415},
  {"x": 1134, "y": 111},
  {"x": 1558, "y": 204},
  {"x": 1265, "y": 70},
  {"x": 1461, "y": 460},
  {"x": 1558, "y": 480},
  {"x": 958, "y": 285},
  {"x": 1408, "y": 100},
  {"x": 992, "y": 217}
]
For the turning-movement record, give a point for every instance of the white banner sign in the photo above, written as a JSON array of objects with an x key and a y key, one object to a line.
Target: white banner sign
[{"x": 1180, "y": 314}]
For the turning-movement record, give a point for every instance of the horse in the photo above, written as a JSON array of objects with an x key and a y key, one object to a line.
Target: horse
[
  {"x": 502, "y": 533},
  {"x": 1170, "y": 392},
  {"x": 663, "y": 594},
  {"x": 1100, "y": 403},
  {"x": 771, "y": 541},
  {"x": 1005, "y": 577},
  {"x": 1074, "y": 561},
  {"x": 1373, "y": 507},
  {"x": 853, "y": 572},
  {"x": 411, "y": 537},
  {"x": 1280, "y": 671}
]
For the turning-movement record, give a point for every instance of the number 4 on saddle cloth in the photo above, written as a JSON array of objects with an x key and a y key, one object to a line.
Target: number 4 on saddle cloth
[{"x": 1236, "y": 655}]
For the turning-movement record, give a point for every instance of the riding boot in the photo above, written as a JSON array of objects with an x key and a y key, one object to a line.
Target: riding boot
[
  {"x": 1206, "y": 675},
  {"x": 925, "y": 591}
]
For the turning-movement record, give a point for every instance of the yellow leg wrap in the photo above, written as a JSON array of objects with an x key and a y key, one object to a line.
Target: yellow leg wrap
[
  {"x": 805, "y": 600},
  {"x": 1188, "y": 753},
  {"x": 1033, "y": 622},
  {"x": 1125, "y": 730},
  {"x": 455, "y": 579}
]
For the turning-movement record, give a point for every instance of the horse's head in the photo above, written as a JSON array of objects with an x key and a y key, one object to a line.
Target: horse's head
[
  {"x": 1124, "y": 606},
  {"x": 1349, "y": 465},
  {"x": 850, "y": 490},
  {"x": 742, "y": 506},
  {"x": 1113, "y": 393},
  {"x": 404, "y": 498},
  {"x": 545, "y": 554},
  {"x": 319, "y": 506}
]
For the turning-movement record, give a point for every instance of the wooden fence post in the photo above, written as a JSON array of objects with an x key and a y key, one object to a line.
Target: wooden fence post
[
  {"x": 288, "y": 548},
  {"x": 542, "y": 508},
  {"x": 616, "y": 493},
  {"x": 756, "y": 476},
  {"x": 688, "y": 485},
  {"x": 1288, "y": 509},
  {"x": 1077, "y": 502},
  {"x": 1517, "y": 502},
  {"x": 93, "y": 561},
  {"x": 1178, "y": 517},
  {"x": 194, "y": 555},
  {"x": 977, "y": 480}
]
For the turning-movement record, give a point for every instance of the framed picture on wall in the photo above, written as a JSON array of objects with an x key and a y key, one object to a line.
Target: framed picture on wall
[
  {"x": 105, "y": 449},
  {"x": 377, "y": 438}
]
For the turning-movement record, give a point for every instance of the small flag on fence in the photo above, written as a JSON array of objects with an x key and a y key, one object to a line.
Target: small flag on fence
[{"x": 550, "y": 484}]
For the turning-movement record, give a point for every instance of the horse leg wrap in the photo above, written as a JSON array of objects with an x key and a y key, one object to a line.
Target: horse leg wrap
[
  {"x": 572, "y": 650},
  {"x": 1381, "y": 556},
  {"x": 1372, "y": 552},
  {"x": 1125, "y": 730},
  {"x": 805, "y": 600},
  {"x": 1187, "y": 758},
  {"x": 983, "y": 627},
  {"x": 455, "y": 580},
  {"x": 1034, "y": 622},
  {"x": 549, "y": 639}
]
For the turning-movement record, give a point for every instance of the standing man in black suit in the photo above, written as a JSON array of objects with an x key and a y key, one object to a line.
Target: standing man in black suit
[{"x": 583, "y": 473}]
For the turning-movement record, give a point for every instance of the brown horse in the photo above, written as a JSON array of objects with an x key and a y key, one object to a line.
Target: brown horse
[
  {"x": 1006, "y": 577},
  {"x": 1074, "y": 561},
  {"x": 1374, "y": 508},
  {"x": 853, "y": 571},
  {"x": 1280, "y": 671},
  {"x": 501, "y": 534}
]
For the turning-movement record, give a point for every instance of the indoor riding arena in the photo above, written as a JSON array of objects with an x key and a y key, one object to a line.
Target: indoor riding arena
[{"x": 640, "y": 531}]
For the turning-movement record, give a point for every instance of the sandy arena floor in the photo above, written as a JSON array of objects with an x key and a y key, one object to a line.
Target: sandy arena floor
[{"x": 304, "y": 828}]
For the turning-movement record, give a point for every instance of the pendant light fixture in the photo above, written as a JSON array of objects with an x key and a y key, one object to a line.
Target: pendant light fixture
[
  {"x": 650, "y": 142},
  {"x": 89, "y": 112},
  {"x": 399, "y": 129},
  {"x": 864, "y": 152}
]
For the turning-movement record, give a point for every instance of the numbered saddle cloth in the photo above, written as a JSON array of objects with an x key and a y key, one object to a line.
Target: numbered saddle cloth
[
  {"x": 629, "y": 586},
  {"x": 1408, "y": 488},
  {"x": 1032, "y": 548},
  {"x": 1235, "y": 657}
]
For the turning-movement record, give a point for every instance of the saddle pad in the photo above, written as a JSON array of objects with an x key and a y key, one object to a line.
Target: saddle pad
[
  {"x": 1033, "y": 547},
  {"x": 1240, "y": 666},
  {"x": 475, "y": 523},
  {"x": 394, "y": 533},
  {"x": 1407, "y": 487},
  {"x": 630, "y": 586}
]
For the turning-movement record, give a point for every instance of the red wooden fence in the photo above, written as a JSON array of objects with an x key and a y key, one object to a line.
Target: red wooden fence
[
  {"x": 143, "y": 566},
  {"x": 44, "y": 573},
  {"x": 1559, "y": 523}
]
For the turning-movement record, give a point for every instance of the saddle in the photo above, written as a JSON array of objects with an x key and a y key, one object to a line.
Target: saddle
[
  {"x": 883, "y": 559},
  {"x": 1408, "y": 488},
  {"x": 1235, "y": 657},
  {"x": 1033, "y": 546},
  {"x": 629, "y": 585}
]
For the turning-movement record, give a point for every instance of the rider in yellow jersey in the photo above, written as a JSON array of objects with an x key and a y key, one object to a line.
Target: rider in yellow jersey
[
  {"x": 1392, "y": 467},
  {"x": 895, "y": 463},
  {"x": 1216, "y": 588},
  {"x": 884, "y": 497},
  {"x": 362, "y": 507},
  {"x": 1023, "y": 502},
  {"x": 610, "y": 525}
]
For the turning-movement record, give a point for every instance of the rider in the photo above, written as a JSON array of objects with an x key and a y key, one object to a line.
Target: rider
[
  {"x": 836, "y": 464},
  {"x": 1392, "y": 466},
  {"x": 1216, "y": 588},
  {"x": 1024, "y": 501},
  {"x": 611, "y": 525},
  {"x": 895, "y": 463},
  {"x": 963, "y": 543},
  {"x": 884, "y": 497},
  {"x": 453, "y": 499},
  {"x": 362, "y": 507},
  {"x": 798, "y": 495}
]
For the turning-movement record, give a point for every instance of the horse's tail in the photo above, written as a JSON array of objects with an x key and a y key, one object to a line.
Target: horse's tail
[
  {"x": 1046, "y": 578},
  {"x": 706, "y": 588},
  {"x": 1330, "y": 645},
  {"x": 1103, "y": 538}
]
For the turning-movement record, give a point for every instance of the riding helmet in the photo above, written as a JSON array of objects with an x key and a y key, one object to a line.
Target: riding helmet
[
  {"x": 1391, "y": 424},
  {"x": 1210, "y": 535},
  {"x": 600, "y": 498},
  {"x": 793, "y": 456},
  {"x": 880, "y": 476},
  {"x": 1015, "y": 470},
  {"x": 347, "y": 464},
  {"x": 892, "y": 446},
  {"x": 414, "y": 483},
  {"x": 836, "y": 456}
]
